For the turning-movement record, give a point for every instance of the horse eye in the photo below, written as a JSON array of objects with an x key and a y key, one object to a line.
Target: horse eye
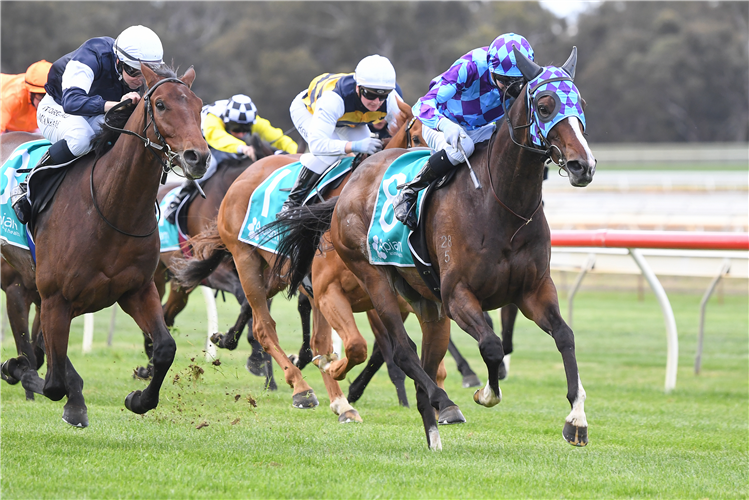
[{"x": 160, "y": 106}]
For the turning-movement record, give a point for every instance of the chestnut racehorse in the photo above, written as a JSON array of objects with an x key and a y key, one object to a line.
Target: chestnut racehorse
[
  {"x": 97, "y": 241},
  {"x": 488, "y": 247}
]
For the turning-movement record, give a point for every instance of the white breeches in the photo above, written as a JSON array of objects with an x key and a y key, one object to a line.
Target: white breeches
[
  {"x": 436, "y": 141},
  {"x": 56, "y": 125}
]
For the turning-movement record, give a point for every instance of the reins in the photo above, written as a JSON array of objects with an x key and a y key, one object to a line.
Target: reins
[{"x": 151, "y": 146}]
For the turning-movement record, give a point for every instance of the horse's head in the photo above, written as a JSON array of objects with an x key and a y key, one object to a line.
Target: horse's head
[
  {"x": 175, "y": 111},
  {"x": 406, "y": 131},
  {"x": 556, "y": 116}
]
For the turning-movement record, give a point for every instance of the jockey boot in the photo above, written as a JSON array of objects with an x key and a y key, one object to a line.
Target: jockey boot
[
  {"x": 404, "y": 204},
  {"x": 57, "y": 154},
  {"x": 186, "y": 190},
  {"x": 307, "y": 178}
]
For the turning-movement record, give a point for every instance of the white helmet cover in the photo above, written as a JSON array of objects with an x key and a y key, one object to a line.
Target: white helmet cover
[
  {"x": 375, "y": 72},
  {"x": 139, "y": 44}
]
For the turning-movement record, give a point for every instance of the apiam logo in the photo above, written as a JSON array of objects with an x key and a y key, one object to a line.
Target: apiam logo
[{"x": 10, "y": 224}]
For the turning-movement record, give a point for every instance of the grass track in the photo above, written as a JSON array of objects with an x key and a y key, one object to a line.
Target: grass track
[{"x": 692, "y": 443}]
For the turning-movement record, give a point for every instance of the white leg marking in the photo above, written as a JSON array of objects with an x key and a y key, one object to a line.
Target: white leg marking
[
  {"x": 435, "y": 443},
  {"x": 577, "y": 415},
  {"x": 506, "y": 361},
  {"x": 340, "y": 405},
  {"x": 486, "y": 396}
]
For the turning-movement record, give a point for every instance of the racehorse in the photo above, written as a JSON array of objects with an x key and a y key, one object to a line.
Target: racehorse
[
  {"x": 488, "y": 247},
  {"x": 335, "y": 295},
  {"x": 28, "y": 343},
  {"x": 96, "y": 242}
]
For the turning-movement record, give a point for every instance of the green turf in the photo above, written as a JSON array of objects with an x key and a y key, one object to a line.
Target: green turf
[{"x": 692, "y": 443}]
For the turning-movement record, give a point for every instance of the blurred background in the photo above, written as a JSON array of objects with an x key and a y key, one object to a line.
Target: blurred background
[
  {"x": 666, "y": 83},
  {"x": 650, "y": 71}
]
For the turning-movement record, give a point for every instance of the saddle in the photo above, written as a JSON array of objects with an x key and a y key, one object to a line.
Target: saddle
[{"x": 43, "y": 184}]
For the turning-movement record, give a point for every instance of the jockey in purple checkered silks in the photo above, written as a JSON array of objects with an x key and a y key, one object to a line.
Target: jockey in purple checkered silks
[{"x": 461, "y": 109}]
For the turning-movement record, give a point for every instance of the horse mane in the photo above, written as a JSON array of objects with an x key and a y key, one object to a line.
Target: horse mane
[{"x": 105, "y": 139}]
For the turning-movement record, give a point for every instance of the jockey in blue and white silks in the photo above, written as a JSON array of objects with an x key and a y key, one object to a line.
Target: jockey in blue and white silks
[
  {"x": 461, "y": 108},
  {"x": 81, "y": 87}
]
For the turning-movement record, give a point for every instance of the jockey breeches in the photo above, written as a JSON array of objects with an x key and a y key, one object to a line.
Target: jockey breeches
[
  {"x": 436, "y": 141},
  {"x": 302, "y": 119},
  {"x": 77, "y": 131}
]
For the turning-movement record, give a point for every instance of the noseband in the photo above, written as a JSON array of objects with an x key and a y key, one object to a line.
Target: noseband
[{"x": 167, "y": 164}]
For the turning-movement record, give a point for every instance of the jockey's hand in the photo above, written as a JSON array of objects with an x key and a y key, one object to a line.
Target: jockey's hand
[
  {"x": 248, "y": 151},
  {"x": 452, "y": 131},
  {"x": 133, "y": 96},
  {"x": 369, "y": 146}
]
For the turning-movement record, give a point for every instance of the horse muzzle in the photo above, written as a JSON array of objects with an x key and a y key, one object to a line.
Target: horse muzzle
[
  {"x": 580, "y": 172},
  {"x": 195, "y": 162}
]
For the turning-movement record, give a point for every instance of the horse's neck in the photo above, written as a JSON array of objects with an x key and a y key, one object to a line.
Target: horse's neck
[
  {"x": 517, "y": 173},
  {"x": 127, "y": 177}
]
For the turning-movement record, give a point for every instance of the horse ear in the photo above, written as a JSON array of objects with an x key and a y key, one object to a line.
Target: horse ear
[
  {"x": 189, "y": 77},
  {"x": 571, "y": 63},
  {"x": 528, "y": 68},
  {"x": 149, "y": 74}
]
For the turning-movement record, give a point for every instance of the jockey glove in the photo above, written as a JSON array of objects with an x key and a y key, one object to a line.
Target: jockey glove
[
  {"x": 452, "y": 131},
  {"x": 369, "y": 146}
]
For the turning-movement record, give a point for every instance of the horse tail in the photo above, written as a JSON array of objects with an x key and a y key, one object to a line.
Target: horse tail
[
  {"x": 208, "y": 253},
  {"x": 299, "y": 231}
]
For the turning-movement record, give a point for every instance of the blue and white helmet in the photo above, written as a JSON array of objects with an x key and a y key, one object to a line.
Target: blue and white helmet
[
  {"x": 240, "y": 109},
  {"x": 502, "y": 60}
]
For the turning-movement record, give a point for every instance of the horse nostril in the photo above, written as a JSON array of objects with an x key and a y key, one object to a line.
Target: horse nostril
[
  {"x": 191, "y": 156},
  {"x": 574, "y": 166}
]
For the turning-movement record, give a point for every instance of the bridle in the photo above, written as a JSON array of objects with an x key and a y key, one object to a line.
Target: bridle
[
  {"x": 167, "y": 163},
  {"x": 409, "y": 139}
]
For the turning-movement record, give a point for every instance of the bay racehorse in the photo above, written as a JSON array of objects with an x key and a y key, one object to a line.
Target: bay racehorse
[
  {"x": 335, "y": 295},
  {"x": 97, "y": 241},
  {"x": 488, "y": 247},
  {"x": 19, "y": 300}
]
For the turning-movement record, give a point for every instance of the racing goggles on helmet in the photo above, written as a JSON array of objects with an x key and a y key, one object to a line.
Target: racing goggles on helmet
[
  {"x": 372, "y": 94},
  {"x": 132, "y": 72}
]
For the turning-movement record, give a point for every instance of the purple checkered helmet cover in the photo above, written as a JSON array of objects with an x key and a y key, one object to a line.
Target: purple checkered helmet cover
[
  {"x": 568, "y": 98},
  {"x": 501, "y": 58}
]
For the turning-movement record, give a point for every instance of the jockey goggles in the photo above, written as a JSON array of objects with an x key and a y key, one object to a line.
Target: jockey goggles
[
  {"x": 372, "y": 94},
  {"x": 132, "y": 72}
]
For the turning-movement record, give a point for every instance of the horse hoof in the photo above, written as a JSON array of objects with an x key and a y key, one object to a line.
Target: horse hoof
[
  {"x": 133, "y": 403},
  {"x": 7, "y": 367},
  {"x": 256, "y": 367},
  {"x": 486, "y": 396},
  {"x": 8, "y": 378},
  {"x": 32, "y": 382},
  {"x": 142, "y": 373},
  {"x": 323, "y": 361},
  {"x": 304, "y": 358},
  {"x": 471, "y": 381},
  {"x": 574, "y": 435},
  {"x": 304, "y": 400},
  {"x": 77, "y": 417},
  {"x": 349, "y": 416},
  {"x": 294, "y": 359},
  {"x": 451, "y": 415}
]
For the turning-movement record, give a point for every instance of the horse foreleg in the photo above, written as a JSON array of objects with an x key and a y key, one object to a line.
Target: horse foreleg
[
  {"x": 259, "y": 362},
  {"x": 23, "y": 368},
  {"x": 321, "y": 342},
  {"x": 304, "y": 307},
  {"x": 382, "y": 344},
  {"x": 507, "y": 314},
  {"x": 336, "y": 309},
  {"x": 145, "y": 308},
  {"x": 543, "y": 308},
  {"x": 62, "y": 379},
  {"x": 470, "y": 379},
  {"x": 465, "y": 309}
]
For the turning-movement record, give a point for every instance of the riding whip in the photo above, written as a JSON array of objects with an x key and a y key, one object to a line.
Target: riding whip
[{"x": 473, "y": 174}]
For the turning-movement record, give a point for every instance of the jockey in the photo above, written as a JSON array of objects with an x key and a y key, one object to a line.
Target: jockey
[
  {"x": 20, "y": 97},
  {"x": 460, "y": 109},
  {"x": 332, "y": 116},
  {"x": 224, "y": 124},
  {"x": 81, "y": 87}
]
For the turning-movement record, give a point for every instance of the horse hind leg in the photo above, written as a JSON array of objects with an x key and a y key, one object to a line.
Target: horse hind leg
[
  {"x": 304, "y": 307},
  {"x": 470, "y": 379}
]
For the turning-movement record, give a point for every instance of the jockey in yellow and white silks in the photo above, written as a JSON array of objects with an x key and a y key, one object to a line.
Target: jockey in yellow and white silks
[
  {"x": 224, "y": 124},
  {"x": 333, "y": 114}
]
